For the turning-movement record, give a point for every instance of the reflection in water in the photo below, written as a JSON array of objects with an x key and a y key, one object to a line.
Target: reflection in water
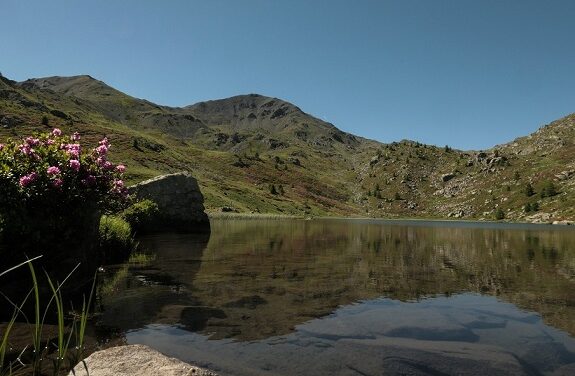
[
  {"x": 363, "y": 283},
  {"x": 462, "y": 335}
]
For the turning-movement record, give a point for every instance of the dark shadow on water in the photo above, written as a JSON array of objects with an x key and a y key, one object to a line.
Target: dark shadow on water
[{"x": 135, "y": 295}]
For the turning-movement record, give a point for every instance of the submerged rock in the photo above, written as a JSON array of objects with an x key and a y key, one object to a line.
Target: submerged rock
[
  {"x": 135, "y": 360},
  {"x": 179, "y": 200}
]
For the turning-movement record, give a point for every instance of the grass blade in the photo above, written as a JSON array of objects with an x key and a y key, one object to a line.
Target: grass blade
[{"x": 19, "y": 265}]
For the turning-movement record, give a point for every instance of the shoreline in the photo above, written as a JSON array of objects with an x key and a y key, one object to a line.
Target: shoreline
[{"x": 485, "y": 222}]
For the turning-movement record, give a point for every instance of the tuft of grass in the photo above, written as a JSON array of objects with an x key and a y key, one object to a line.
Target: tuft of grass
[
  {"x": 62, "y": 360},
  {"x": 116, "y": 240},
  {"x": 141, "y": 258},
  {"x": 141, "y": 215},
  {"x": 112, "y": 284}
]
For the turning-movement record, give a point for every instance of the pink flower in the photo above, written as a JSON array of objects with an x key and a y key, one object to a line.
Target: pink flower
[
  {"x": 53, "y": 170},
  {"x": 32, "y": 141},
  {"x": 57, "y": 182},
  {"x": 26, "y": 180},
  {"x": 121, "y": 168},
  {"x": 108, "y": 165},
  {"x": 104, "y": 142},
  {"x": 100, "y": 161},
  {"x": 118, "y": 186},
  {"x": 75, "y": 164},
  {"x": 75, "y": 136},
  {"x": 1, "y": 146},
  {"x": 102, "y": 150},
  {"x": 72, "y": 149},
  {"x": 26, "y": 149},
  {"x": 49, "y": 142},
  {"x": 56, "y": 132}
]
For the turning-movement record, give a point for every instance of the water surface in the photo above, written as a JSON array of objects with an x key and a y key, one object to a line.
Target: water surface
[{"x": 354, "y": 297}]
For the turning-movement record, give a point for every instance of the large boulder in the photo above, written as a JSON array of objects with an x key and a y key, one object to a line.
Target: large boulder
[
  {"x": 179, "y": 200},
  {"x": 135, "y": 360}
]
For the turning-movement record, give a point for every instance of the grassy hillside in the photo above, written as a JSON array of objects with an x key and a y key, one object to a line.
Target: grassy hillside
[{"x": 253, "y": 153}]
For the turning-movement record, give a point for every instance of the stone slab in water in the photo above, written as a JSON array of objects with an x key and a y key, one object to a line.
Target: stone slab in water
[{"x": 135, "y": 360}]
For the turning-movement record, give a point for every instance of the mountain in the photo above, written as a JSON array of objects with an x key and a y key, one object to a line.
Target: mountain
[{"x": 253, "y": 153}]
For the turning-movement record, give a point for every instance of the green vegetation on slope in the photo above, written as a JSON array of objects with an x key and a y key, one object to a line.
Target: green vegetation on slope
[{"x": 240, "y": 147}]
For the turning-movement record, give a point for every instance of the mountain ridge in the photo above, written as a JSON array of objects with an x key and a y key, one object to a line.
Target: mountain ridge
[
  {"x": 195, "y": 106},
  {"x": 244, "y": 148}
]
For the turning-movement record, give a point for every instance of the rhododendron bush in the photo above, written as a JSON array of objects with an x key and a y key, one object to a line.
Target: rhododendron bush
[{"x": 51, "y": 183}]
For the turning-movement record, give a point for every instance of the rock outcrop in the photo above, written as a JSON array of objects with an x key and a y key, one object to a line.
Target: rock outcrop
[
  {"x": 135, "y": 360},
  {"x": 179, "y": 200}
]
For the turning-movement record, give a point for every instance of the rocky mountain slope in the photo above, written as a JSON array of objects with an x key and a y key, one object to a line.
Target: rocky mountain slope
[{"x": 253, "y": 153}]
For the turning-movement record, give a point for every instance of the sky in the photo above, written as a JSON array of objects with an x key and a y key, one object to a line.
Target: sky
[{"x": 466, "y": 73}]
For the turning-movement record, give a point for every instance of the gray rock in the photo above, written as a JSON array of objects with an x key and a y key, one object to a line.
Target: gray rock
[
  {"x": 179, "y": 200},
  {"x": 135, "y": 360},
  {"x": 565, "y": 175},
  {"x": 564, "y": 223}
]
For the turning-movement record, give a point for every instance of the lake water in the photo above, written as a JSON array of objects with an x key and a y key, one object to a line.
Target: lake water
[{"x": 353, "y": 297}]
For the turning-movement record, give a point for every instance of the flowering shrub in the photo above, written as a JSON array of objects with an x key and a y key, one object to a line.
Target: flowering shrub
[
  {"x": 53, "y": 165},
  {"x": 50, "y": 181}
]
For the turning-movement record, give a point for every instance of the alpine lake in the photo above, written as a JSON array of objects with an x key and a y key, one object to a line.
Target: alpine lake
[{"x": 352, "y": 297}]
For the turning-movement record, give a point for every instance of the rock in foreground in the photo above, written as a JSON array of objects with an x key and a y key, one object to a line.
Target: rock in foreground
[
  {"x": 179, "y": 200},
  {"x": 136, "y": 360}
]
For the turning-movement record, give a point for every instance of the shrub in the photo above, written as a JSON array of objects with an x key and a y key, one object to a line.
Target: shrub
[
  {"x": 273, "y": 190},
  {"x": 116, "y": 241},
  {"x": 141, "y": 215},
  {"x": 499, "y": 214},
  {"x": 54, "y": 170},
  {"x": 531, "y": 207},
  {"x": 53, "y": 190},
  {"x": 529, "y": 191},
  {"x": 548, "y": 190}
]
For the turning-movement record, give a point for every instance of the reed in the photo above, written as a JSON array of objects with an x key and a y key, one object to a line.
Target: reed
[{"x": 39, "y": 350}]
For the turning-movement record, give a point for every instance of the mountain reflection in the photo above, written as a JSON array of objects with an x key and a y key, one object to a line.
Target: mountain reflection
[{"x": 259, "y": 278}]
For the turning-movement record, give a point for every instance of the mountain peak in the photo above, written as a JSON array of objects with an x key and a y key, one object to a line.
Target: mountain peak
[
  {"x": 250, "y": 111},
  {"x": 71, "y": 85}
]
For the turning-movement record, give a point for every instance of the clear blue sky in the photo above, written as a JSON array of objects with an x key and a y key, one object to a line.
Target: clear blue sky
[{"x": 468, "y": 73}]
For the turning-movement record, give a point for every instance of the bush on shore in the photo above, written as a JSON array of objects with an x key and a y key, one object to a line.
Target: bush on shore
[
  {"x": 53, "y": 192},
  {"x": 141, "y": 215}
]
